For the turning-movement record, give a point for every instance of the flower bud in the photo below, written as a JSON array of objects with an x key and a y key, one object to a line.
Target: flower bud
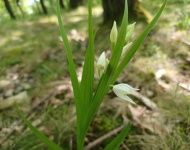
[
  {"x": 130, "y": 31},
  {"x": 126, "y": 47},
  {"x": 113, "y": 33},
  {"x": 102, "y": 60},
  {"x": 102, "y": 63}
]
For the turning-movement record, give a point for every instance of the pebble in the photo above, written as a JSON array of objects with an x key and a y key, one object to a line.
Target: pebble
[
  {"x": 18, "y": 89},
  {"x": 26, "y": 86},
  {"x": 9, "y": 93},
  {"x": 4, "y": 83},
  {"x": 149, "y": 93}
]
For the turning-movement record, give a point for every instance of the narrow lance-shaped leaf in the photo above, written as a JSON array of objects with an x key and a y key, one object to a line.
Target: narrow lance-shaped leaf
[
  {"x": 72, "y": 69},
  {"x": 51, "y": 145},
  {"x": 103, "y": 85},
  {"x": 108, "y": 79},
  {"x": 137, "y": 43},
  {"x": 115, "y": 143},
  {"x": 87, "y": 83}
]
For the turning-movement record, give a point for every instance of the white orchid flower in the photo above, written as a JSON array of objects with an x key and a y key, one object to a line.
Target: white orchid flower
[
  {"x": 102, "y": 63},
  {"x": 126, "y": 47},
  {"x": 130, "y": 31},
  {"x": 122, "y": 90},
  {"x": 113, "y": 33}
]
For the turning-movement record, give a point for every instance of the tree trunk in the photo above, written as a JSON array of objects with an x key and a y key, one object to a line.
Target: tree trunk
[
  {"x": 18, "y": 2},
  {"x": 52, "y": 4},
  {"x": 8, "y": 7},
  {"x": 114, "y": 9},
  {"x": 75, "y": 3},
  {"x": 43, "y": 7},
  {"x": 38, "y": 7},
  {"x": 61, "y": 4}
]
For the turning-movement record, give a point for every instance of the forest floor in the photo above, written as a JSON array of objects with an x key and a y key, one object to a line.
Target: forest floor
[{"x": 34, "y": 72}]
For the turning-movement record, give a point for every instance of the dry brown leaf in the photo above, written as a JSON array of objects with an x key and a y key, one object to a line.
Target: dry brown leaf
[{"x": 147, "y": 119}]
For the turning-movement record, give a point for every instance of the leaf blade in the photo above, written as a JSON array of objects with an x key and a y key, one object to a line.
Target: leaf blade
[
  {"x": 103, "y": 85},
  {"x": 116, "y": 142},
  {"x": 39, "y": 134},
  {"x": 138, "y": 43},
  {"x": 72, "y": 70},
  {"x": 87, "y": 83}
]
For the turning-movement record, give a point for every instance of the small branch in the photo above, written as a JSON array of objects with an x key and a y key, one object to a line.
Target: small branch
[
  {"x": 145, "y": 100},
  {"x": 182, "y": 85},
  {"x": 19, "y": 98},
  {"x": 168, "y": 86},
  {"x": 104, "y": 137},
  {"x": 186, "y": 42}
]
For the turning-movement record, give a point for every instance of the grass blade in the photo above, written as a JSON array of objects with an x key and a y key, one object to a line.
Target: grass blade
[
  {"x": 138, "y": 43},
  {"x": 114, "y": 145},
  {"x": 51, "y": 145}
]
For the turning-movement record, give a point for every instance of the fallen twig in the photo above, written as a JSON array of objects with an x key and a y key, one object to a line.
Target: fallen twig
[
  {"x": 104, "y": 137},
  {"x": 19, "y": 98},
  {"x": 145, "y": 100},
  {"x": 182, "y": 85}
]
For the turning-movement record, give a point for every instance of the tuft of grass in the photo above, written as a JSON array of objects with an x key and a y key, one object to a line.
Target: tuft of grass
[
  {"x": 175, "y": 111},
  {"x": 22, "y": 142},
  {"x": 61, "y": 123}
]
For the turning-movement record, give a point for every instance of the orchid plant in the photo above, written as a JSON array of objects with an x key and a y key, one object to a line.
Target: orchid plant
[{"x": 88, "y": 98}]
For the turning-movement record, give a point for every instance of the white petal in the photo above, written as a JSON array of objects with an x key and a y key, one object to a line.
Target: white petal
[
  {"x": 130, "y": 31},
  {"x": 102, "y": 60},
  {"x": 128, "y": 99},
  {"x": 125, "y": 88},
  {"x": 131, "y": 26},
  {"x": 121, "y": 90},
  {"x": 126, "y": 47},
  {"x": 123, "y": 96}
]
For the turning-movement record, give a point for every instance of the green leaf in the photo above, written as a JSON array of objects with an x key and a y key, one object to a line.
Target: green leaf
[
  {"x": 87, "y": 83},
  {"x": 138, "y": 43},
  {"x": 115, "y": 143},
  {"x": 72, "y": 70},
  {"x": 113, "y": 70},
  {"x": 51, "y": 145},
  {"x": 104, "y": 83}
]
